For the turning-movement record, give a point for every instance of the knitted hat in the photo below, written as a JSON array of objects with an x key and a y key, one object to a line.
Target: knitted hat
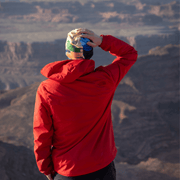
[{"x": 76, "y": 46}]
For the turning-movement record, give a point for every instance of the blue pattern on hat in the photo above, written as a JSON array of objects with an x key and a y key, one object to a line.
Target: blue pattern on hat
[{"x": 84, "y": 44}]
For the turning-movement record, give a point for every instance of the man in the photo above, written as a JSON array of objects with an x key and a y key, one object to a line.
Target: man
[{"x": 73, "y": 132}]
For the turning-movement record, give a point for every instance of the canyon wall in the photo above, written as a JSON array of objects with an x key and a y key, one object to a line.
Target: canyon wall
[{"x": 20, "y": 62}]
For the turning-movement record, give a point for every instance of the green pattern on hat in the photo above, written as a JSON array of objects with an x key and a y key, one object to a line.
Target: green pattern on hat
[{"x": 72, "y": 48}]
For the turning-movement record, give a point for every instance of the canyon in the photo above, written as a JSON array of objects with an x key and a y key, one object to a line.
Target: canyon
[{"x": 145, "y": 108}]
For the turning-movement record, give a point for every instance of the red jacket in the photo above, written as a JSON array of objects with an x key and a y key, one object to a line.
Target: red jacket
[{"x": 73, "y": 132}]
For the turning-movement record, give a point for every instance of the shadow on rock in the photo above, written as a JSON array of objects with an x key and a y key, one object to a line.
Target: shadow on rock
[{"x": 18, "y": 162}]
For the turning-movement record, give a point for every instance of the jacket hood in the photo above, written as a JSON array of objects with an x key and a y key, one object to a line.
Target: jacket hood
[{"x": 68, "y": 70}]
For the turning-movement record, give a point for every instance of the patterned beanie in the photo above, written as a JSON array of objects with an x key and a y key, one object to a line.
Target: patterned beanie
[{"x": 76, "y": 46}]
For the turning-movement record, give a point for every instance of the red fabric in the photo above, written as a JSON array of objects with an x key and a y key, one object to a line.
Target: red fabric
[{"x": 73, "y": 112}]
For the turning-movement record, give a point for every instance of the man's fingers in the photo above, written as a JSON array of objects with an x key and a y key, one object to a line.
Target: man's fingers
[
  {"x": 91, "y": 44},
  {"x": 85, "y": 31},
  {"x": 87, "y": 36}
]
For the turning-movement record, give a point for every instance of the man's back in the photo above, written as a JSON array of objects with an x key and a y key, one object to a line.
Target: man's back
[{"x": 81, "y": 113}]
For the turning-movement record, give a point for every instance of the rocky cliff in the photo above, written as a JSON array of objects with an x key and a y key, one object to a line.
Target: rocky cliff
[{"x": 21, "y": 62}]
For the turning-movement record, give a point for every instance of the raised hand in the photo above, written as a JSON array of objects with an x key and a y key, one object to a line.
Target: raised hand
[{"x": 86, "y": 33}]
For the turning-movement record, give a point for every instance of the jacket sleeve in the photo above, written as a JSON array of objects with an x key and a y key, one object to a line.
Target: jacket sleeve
[
  {"x": 125, "y": 54},
  {"x": 43, "y": 133}
]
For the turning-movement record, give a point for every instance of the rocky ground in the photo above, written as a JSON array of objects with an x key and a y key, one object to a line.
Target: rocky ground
[{"x": 145, "y": 109}]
